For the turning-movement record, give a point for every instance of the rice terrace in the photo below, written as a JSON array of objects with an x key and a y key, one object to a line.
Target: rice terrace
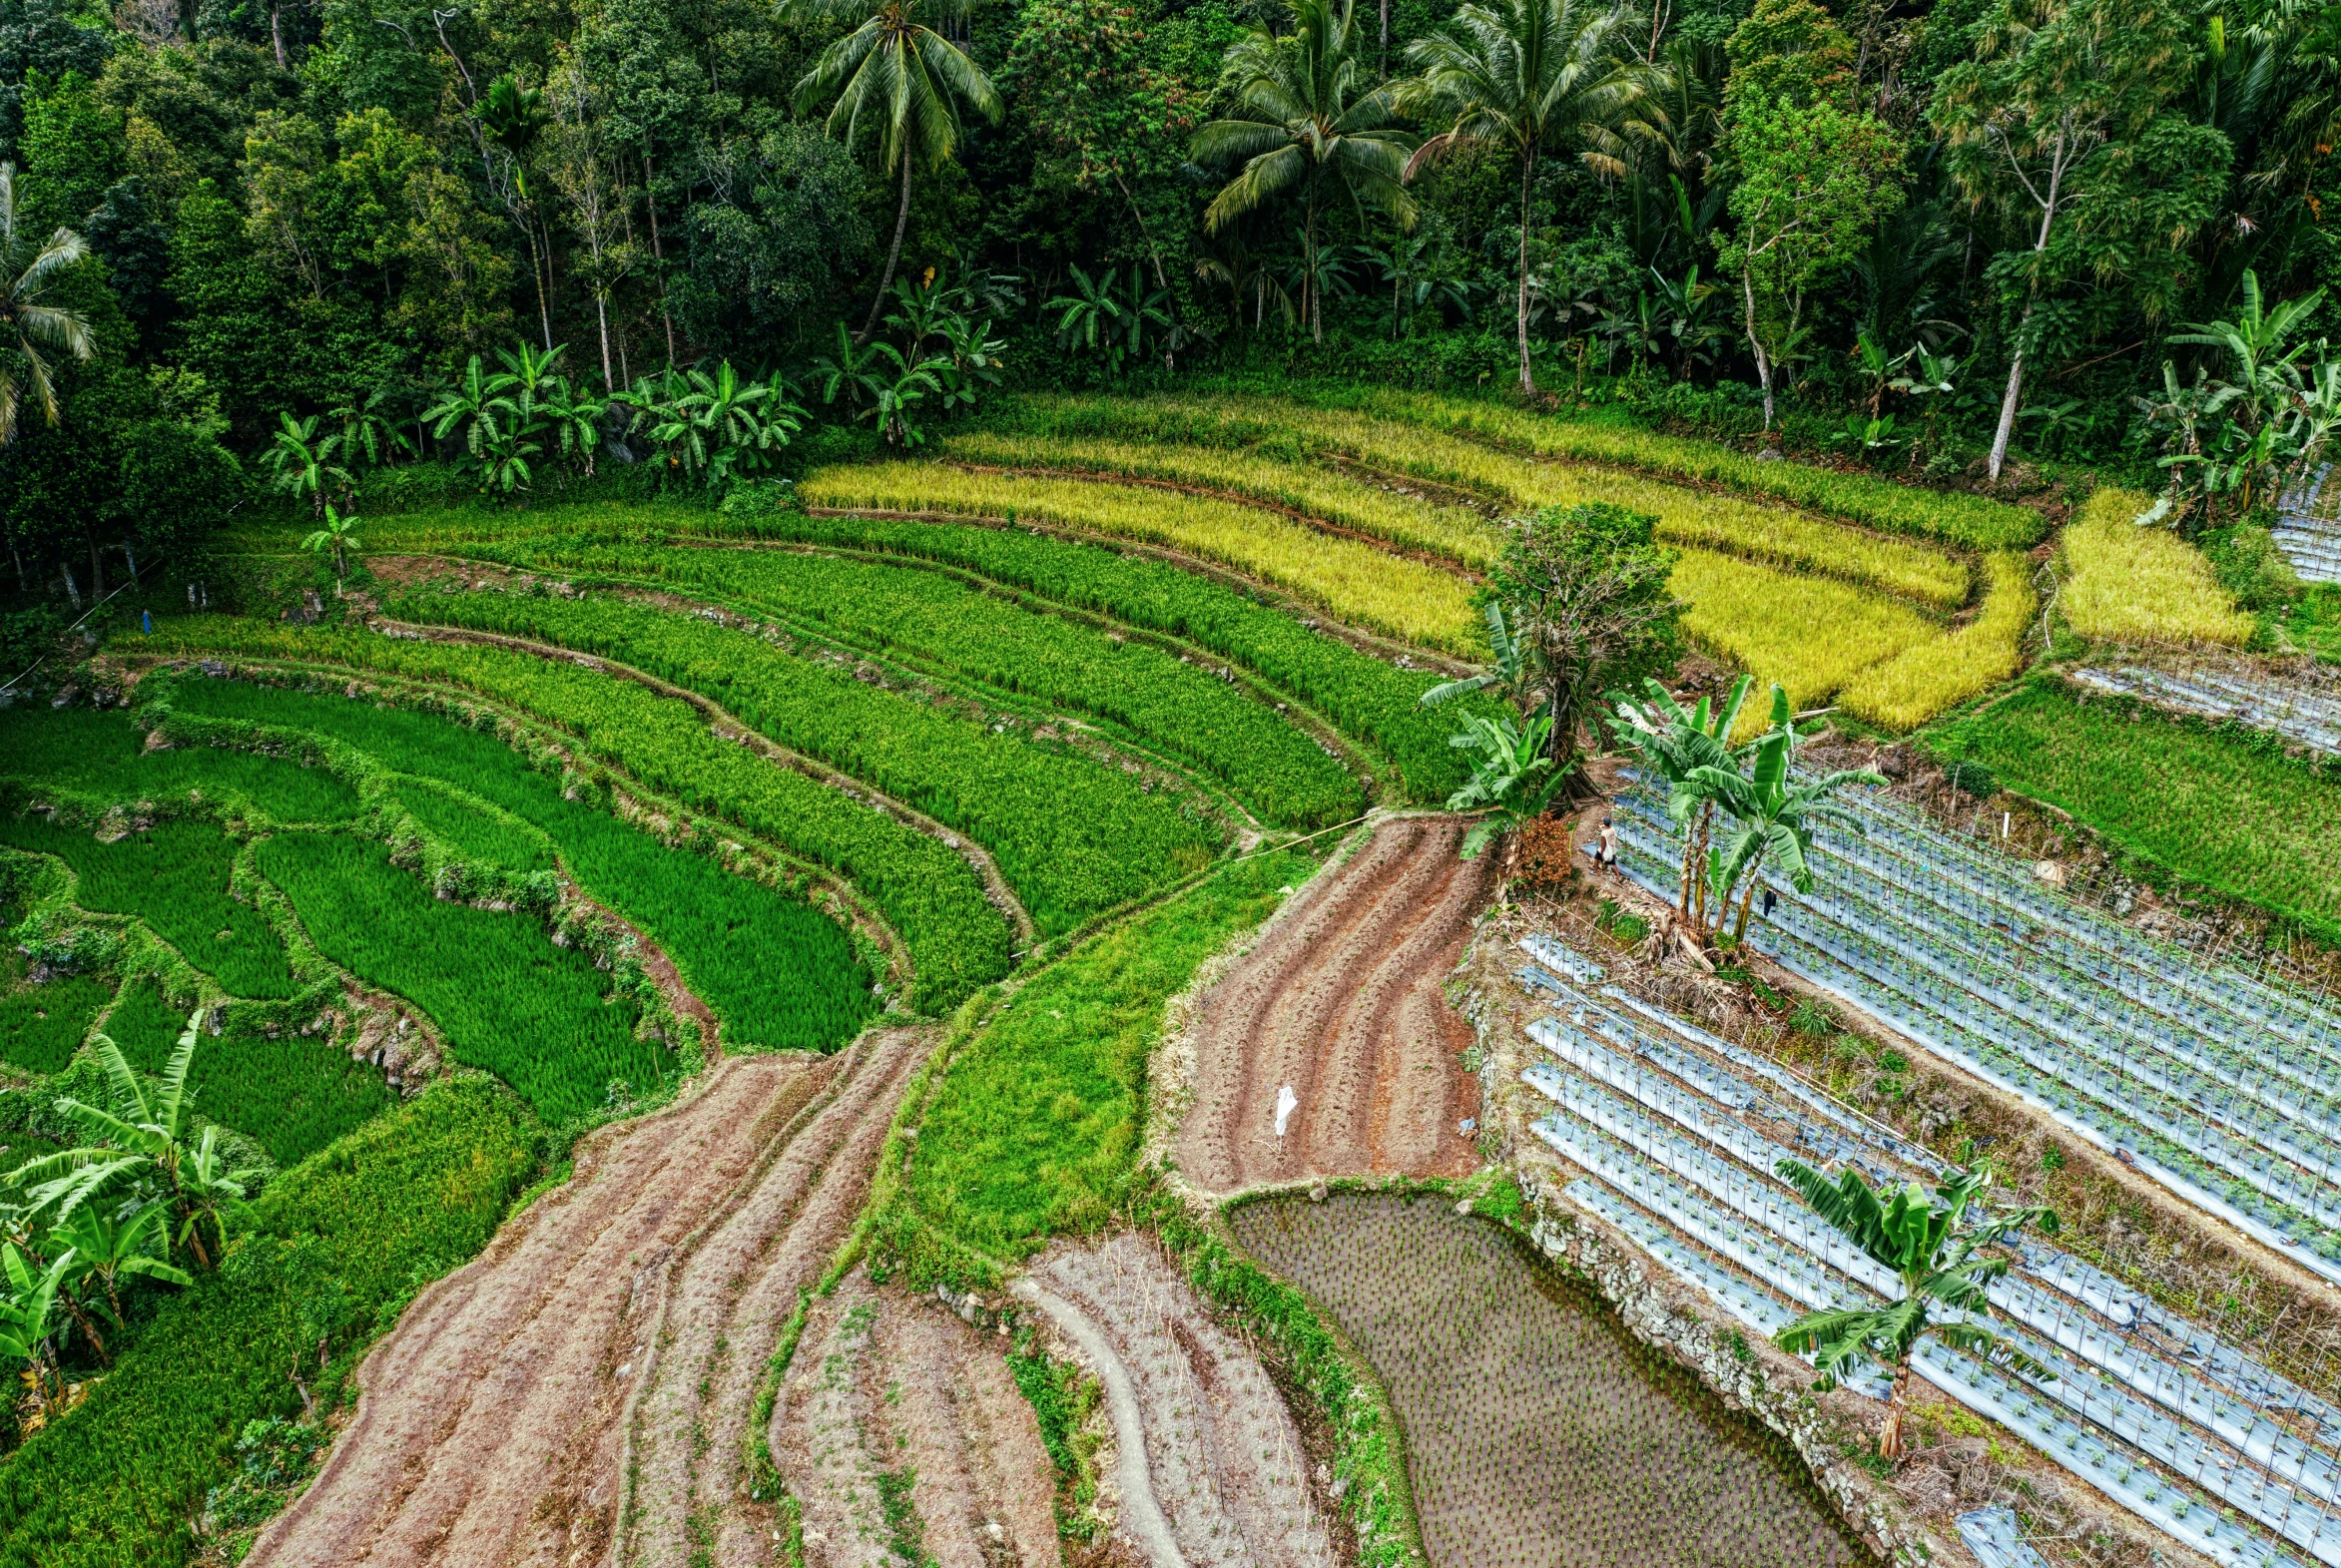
[{"x": 1170, "y": 783}]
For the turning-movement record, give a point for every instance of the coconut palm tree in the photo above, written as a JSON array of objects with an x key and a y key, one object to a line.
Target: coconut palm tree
[
  {"x": 138, "y": 1145},
  {"x": 1527, "y": 75},
  {"x": 1922, "y": 1241},
  {"x": 896, "y": 75},
  {"x": 1301, "y": 122},
  {"x": 27, "y": 326},
  {"x": 1775, "y": 816}
]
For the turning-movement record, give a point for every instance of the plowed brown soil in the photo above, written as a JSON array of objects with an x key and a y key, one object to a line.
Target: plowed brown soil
[
  {"x": 889, "y": 1400},
  {"x": 1342, "y": 999},
  {"x": 496, "y": 1420}
]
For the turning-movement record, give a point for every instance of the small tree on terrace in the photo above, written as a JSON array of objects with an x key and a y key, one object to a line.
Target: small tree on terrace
[
  {"x": 1922, "y": 1243},
  {"x": 1582, "y": 603},
  {"x": 1674, "y": 743}
]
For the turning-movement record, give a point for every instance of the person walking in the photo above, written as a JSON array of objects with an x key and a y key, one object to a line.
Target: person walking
[{"x": 1606, "y": 852}]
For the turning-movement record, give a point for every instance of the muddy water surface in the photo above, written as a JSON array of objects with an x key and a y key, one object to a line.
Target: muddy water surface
[{"x": 1540, "y": 1432}]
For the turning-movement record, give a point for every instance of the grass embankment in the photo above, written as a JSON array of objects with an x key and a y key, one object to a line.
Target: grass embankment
[
  {"x": 980, "y": 640},
  {"x": 926, "y": 891},
  {"x": 2142, "y": 585},
  {"x": 340, "y": 1244},
  {"x": 1035, "y": 1128},
  {"x": 779, "y": 974},
  {"x": 2218, "y": 806},
  {"x": 1074, "y": 835}
]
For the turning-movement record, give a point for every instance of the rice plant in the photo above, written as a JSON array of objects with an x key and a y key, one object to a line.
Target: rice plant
[
  {"x": 1401, "y": 445},
  {"x": 292, "y": 1095},
  {"x": 102, "y": 757},
  {"x": 1933, "y": 678},
  {"x": 41, "y": 1026},
  {"x": 477, "y": 830},
  {"x": 978, "y": 636},
  {"x": 925, "y": 889},
  {"x": 1367, "y": 587},
  {"x": 505, "y": 998},
  {"x": 174, "y": 876},
  {"x": 1812, "y": 635},
  {"x": 1072, "y": 834},
  {"x": 779, "y": 974},
  {"x": 2129, "y": 584}
]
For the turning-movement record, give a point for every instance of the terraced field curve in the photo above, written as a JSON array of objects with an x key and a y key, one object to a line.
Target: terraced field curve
[
  {"x": 1341, "y": 1002},
  {"x": 526, "y": 1404}
]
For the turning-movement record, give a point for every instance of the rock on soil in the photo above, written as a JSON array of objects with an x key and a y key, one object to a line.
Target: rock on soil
[
  {"x": 1343, "y": 999},
  {"x": 904, "y": 1439},
  {"x": 503, "y": 1420},
  {"x": 1211, "y": 1465}
]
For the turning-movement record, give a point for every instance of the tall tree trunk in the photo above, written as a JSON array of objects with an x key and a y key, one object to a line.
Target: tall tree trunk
[
  {"x": 2008, "y": 399},
  {"x": 1386, "y": 40},
  {"x": 893, "y": 255},
  {"x": 1528, "y": 373},
  {"x": 536, "y": 276},
  {"x": 1310, "y": 293},
  {"x": 277, "y": 36},
  {"x": 601, "y": 311},
  {"x": 2057, "y": 161},
  {"x": 97, "y": 569},
  {"x": 658, "y": 254},
  {"x": 72, "y": 588},
  {"x": 1747, "y": 284}
]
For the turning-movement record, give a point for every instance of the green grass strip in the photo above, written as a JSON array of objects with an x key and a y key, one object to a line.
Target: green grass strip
[
  {"x": 341, "y": 1244},
  {"x": 941, "y": 625},
  {"x": 1074, "y": 835},
  {"x": 2219, "y": 806},
  {"x": 1036, "y": 1127},
  {"x": 504, "y": 997},
  {"x": 779, "y": 974},
  {"x": 102, "y": 757}
]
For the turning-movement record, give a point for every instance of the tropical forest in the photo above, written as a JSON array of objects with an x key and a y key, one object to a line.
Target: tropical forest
[{"x": 1158, "y": 783}]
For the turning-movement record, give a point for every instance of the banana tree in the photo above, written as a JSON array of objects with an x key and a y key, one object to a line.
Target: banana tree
[
  {"x": 1675, "y": 741},
  {"x": 29, "y": 1319},
  {"x": 575, "y": 410},
  {"x": 1513, "y": 780},
  {"x": 367, "y": 427},
  {"x": 301, "y": 461},
  {"x": 339, "y": 536},
  {"x": 1512, "y": 670},
  {"x": 908, "y": 387},
  {"x": 1775, "y": 818},
  {"x": 109, "y": 1244},
  {"x": 1924, "y": 1243}
]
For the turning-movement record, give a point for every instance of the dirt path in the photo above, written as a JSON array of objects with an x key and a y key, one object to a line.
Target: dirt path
[
  {"x": 904, "y": 1439},
  {"x": 1211, "y": 1469},
  {"x": 1342, "y": 999},
  {"x": 498, "y": 1419}
]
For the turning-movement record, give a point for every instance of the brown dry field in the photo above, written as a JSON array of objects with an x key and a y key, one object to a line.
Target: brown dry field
[
  {"x": 624, "y": 1314},
  {"x": 891, "y": 1392},
  {"x": 1343, "y": 999}
]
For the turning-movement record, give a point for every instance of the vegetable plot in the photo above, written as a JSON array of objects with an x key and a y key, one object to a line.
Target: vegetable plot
[
  {"x": 1073, "y": 836},
  {"x": 1681, "y": 1135}
]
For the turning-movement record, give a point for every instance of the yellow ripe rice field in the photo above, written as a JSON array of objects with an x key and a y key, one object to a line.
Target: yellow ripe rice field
[
  {"x": 1934, "y": 677},
  {"x": 1812, "y": 635},
  {"x": 1456, "y": 533},
  {"x": 1703, "y": 519},
  {"x": 1351, "y": 581},
  {"x": 2129, "y": 584}
]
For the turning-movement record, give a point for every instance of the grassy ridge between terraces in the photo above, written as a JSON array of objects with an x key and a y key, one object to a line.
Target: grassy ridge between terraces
[
  {"x": 1362, "y": 695},
  {"x": 1036, "y": 1127},
  {"x": 2222, "y": 807},
  {"x": 340, "y": 1244},
  {"x": 926, "y": 890},
  {"x": 779, "y": 974},
  {"x": 941, "y": 626},
  {"x": 1074, "y": 836}
]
